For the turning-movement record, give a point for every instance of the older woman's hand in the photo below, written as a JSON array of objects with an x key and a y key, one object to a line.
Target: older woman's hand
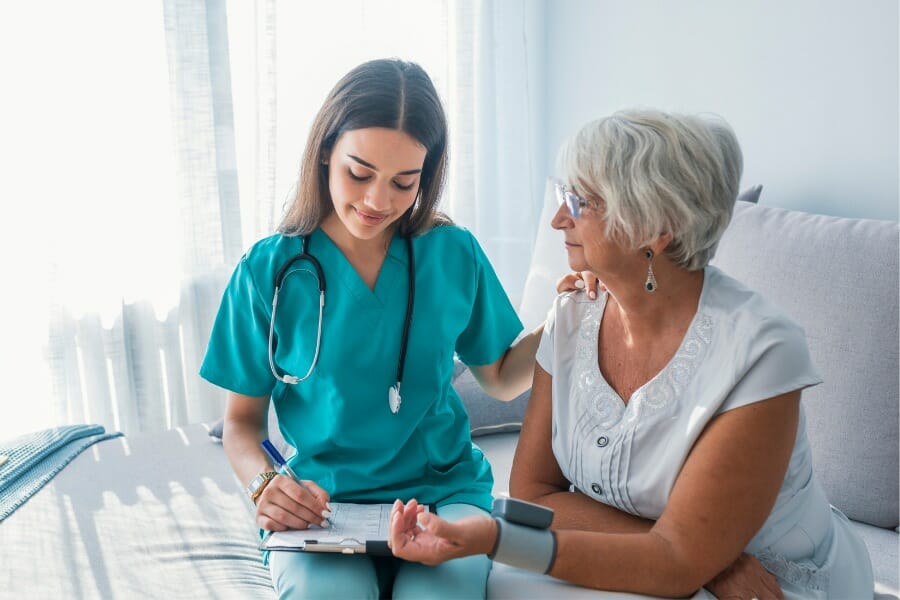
[
  {"x": 424, "y": 537},
  {"x": 580, "y": 281},
  {"x": 745, "y": 579}
]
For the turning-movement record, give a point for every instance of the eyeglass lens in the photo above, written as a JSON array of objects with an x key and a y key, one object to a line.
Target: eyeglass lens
[{"x": 571, "y": 200}]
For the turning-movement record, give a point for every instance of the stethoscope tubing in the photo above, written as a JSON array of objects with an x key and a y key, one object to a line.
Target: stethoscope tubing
[
  {"x": 293, "y": 379},
  {"x": 410, "y": 301},
  {"x": 282, "y": 274}
]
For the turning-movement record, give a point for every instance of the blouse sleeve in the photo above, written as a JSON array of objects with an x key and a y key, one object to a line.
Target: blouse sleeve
[
  {"x": 493, "y": 325},
  {"x": 778, "y": 362},
  {"x": 545, "y": 349},
  {"x": 237, "y": 355}
]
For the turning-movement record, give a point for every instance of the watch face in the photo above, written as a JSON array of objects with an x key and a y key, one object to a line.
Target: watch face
[
  {"x": 255, "y": 483},
  {"x": 255, "y": 487}
]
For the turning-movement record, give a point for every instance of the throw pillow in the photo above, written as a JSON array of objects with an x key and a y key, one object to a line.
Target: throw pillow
[
  {"x": 838, "y": 278},
  {"x": 488, "y": 415},
  {"x": 751, "y": 194}
]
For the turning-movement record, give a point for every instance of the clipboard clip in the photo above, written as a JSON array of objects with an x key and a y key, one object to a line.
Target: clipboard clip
[{"x": 343, "y": 546}]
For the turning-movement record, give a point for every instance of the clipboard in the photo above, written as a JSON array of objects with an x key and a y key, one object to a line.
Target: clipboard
[
  {"x": 355, "y": 529},
  {"x": 307, "y": 541}
]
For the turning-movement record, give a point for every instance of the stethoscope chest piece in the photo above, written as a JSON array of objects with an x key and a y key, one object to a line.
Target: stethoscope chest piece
[{"x": 394, "y": 399}]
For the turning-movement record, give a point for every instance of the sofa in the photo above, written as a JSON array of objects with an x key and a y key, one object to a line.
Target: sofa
[{"x": 161, "y": 515}]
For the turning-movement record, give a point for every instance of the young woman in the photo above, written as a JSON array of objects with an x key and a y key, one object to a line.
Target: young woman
[{"x": 360, "y": 374}]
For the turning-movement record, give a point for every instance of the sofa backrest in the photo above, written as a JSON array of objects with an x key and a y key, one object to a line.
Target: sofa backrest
[{"x": 839, "y": 279}]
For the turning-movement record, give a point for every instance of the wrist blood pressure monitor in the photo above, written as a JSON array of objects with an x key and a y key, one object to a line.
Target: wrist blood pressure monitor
[{"x": 524, "y": 539}]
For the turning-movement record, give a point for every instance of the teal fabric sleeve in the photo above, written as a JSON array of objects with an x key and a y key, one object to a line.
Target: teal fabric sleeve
[
  {"x": 237, "y": 356},
  {"x": 493, "y": 324}
]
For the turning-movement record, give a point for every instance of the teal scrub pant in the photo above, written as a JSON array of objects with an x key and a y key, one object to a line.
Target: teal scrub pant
[{"x": 322, "y": 576}]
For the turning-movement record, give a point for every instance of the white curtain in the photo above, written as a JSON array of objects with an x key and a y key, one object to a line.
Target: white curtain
[
  {"x": 91, "y": 240},
  {"x": 496, "y": 97},
  {"x": 132, "y": 365},
  {"x": 178, "y": 132}
]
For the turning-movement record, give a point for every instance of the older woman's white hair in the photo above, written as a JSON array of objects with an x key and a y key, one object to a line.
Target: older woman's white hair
[{"x": 652, "y": 173}]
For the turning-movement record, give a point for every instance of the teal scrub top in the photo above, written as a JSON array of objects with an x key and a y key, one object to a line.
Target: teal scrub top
[{"x": 339, "y": 420}]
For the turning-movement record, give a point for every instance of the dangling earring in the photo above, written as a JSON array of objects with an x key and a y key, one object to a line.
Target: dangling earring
[{"x": 650, "y": 284}]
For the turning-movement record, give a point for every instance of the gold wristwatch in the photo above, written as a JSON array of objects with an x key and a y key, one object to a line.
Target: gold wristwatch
[{"x": 259, "y": 483}]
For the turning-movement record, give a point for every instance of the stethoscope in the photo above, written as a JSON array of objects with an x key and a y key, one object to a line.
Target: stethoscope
[{"x": 394, "y": 393}]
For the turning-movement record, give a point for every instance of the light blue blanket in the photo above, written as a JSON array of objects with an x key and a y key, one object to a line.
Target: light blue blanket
[{"x": 35, "y": 458}]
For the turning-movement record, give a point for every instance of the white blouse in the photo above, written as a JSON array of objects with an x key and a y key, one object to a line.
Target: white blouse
[{"x": 739, "y": 349}]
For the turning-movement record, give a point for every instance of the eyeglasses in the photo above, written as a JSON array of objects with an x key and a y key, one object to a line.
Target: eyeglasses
[{"x": 573, "y": 201}]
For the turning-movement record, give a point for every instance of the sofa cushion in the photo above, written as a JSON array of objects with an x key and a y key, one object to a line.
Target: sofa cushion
[
  {"x": 510, "y": 583},
  {"x": 150, "y": 515},
  {"x": 883, "y": 549},
  {"x": 839, "y": 279}
]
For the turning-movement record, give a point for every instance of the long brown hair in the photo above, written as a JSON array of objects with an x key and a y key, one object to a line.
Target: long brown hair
[{"x": 388, "y": 93}]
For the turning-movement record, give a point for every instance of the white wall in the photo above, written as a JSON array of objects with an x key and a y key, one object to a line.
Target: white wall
[{"x": 810, "y": 86}]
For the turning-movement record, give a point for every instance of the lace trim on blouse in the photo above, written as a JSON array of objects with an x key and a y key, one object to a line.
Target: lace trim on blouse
[
  {"x": 607, "y": 408},
  {"x": 800, "y": 575},
  {"x": 604, "y": 402}
]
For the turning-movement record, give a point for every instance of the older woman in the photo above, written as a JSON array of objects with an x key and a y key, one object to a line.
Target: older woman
[{"x": 665, "y": 427}]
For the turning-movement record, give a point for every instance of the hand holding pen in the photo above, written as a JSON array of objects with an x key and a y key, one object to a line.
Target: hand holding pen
[{"x": 289, "y": 502}]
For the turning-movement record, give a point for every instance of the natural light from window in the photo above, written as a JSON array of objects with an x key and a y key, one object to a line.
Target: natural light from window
[{"x": 91, "y": 217}]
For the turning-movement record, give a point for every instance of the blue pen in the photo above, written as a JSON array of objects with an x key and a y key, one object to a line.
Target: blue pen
[{"x": 279, "y": 461}]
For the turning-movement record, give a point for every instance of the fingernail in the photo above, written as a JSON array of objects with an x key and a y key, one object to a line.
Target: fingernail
[
  {"x": 326, "y": 513},
  {"x": 592, "y": 294},
  {"x": 328, "y": 505},
  {"x": 579, "y": 284},
  {"x": 325, "y": 524},
  {"x": 420, "y": 526}
]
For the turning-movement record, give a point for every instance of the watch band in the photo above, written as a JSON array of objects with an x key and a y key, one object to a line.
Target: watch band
[{"x": 259, "y": 483}]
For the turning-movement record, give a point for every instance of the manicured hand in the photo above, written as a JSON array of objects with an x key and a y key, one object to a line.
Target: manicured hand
[
  {"x": 745, "y": 578},
  {"x": 424, "y": 537},
  {"x": 285, "y": 504},
  {"x": 584, "y": 280}
]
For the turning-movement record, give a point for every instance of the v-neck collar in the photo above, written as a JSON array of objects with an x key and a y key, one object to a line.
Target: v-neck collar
[
  {"x": 688, "y": 334},
  {"x": 340, "y": 271}
]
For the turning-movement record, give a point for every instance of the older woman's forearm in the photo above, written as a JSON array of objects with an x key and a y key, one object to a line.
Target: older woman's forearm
[
  {"x": 643, "y": 563},
  {"x": 574, "y": 510}
]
